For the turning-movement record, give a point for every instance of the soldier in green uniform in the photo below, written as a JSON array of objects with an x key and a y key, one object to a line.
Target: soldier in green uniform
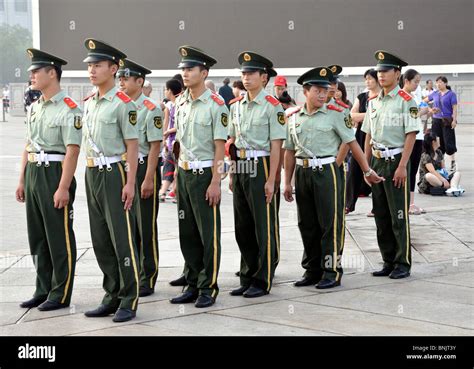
[
  {"x": 201, "y": 119},
  {"x": 47, "y": 184},
  {"x": 150, "y": 129},
  {"x": 257, "y": 130},
  {"x": 391, "y": 124},
  {"x": 314, "y": 136},
  {"x": 111, "y": 148}
]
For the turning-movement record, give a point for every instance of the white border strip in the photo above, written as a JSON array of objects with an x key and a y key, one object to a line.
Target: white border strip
[
  {"x": 288, "y": 72},
  {"x": 35, "y": 24}
]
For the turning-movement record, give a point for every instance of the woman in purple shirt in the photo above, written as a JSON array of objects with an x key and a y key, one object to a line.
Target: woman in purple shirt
[{"x": 445, "y": 111}]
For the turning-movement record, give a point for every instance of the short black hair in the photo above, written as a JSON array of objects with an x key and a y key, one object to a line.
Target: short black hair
[
  {"x": 174, "y": 86},
  {"x": 58, "y": 70},
  {"x": 239, "y": 85},
  {"x": 371, "y": 72}
]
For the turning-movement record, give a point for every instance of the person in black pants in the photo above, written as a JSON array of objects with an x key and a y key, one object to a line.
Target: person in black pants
[{"x": 356, "y": 185}]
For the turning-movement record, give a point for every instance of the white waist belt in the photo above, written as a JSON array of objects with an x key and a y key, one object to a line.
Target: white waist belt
[
  {"x": 248, "y": 154},
  {"x": 141, "y": 157},
  {"x": 102, "y": 161},
  {"x": 195, "y": 165},
  {"x": 45, "y": 158},
  {"x": 387, "y": 153},
  {"x": 315, "y": 162}
]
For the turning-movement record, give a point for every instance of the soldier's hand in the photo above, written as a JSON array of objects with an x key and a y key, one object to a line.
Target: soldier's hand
[
  {"x": 288, "y": 193},
  {"x": 20, "y": 193},
  {"x": 61, "y": 198},
  {"x": 128, "y": 193},
  {"x": 400, "y": 176},
  {"x": 213, "y": 193},
  {"x": 147, "y": 189},
  {"x": 374, "y": 178},
  {"x": 269, "y": 190}
]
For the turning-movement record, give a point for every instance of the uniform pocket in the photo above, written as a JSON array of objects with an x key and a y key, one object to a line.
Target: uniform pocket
[
  {"x": 109, "y": 128},
  {"x": 52, "y": 132}
]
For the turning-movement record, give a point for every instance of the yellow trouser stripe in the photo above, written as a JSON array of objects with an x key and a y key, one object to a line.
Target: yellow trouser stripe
[
  {"x": 334, "y": 261},
  {"x": 343, "y": 231},
  {"x": 269, "y": 254},
  {"x": 129, "y": 230},
  {"x": 277, "y": 226},
  {"x": 406, "y": 221},
  {"x": 69, "y": 256},
  {"x": 155, "y": 251}
]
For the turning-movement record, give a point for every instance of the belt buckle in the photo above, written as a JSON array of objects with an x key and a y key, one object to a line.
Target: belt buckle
[
  {"x": 90, "y": 162},
  {"x": 242, "y": 154},
  {"x": 305, "y": 163},
  {"x": 186, "y": 165},
  {"x": 378, "y": 154}
]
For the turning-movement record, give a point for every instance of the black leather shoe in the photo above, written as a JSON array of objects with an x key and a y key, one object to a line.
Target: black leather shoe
[
  {"x": 254, "y": 292},
  {"x": 327, "y": 283},
  {"x": 385, "y": 272},
  {"x": 185, "y": 298},
  {"x": 239, "y": 291},
  {"x": 101, "y": 311},
  {"x": 398, "y": 274},
  {"x": 32, "y": 303},
  {"x": 237, "y": 274},
  {"x": 205, "y": 301},
  {"x": 124, "y": 315},
  {"x": 146, "y": 291},
  {"x": 305, "y": 281},
  {"x": 181, "y": 281},
  {"x": 51, "y": 305}
]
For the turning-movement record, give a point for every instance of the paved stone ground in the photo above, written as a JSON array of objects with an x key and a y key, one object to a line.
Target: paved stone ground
[{"x": 436, "y": 300}]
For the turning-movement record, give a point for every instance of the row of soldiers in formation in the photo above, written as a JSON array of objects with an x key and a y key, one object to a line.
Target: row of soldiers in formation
[{"x": 121, "y": 139}]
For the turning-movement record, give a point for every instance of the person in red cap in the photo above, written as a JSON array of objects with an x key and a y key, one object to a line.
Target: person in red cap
[{"x": 279, "y": 86}]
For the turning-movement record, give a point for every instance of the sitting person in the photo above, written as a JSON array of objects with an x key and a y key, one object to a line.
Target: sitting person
[{"x": 432, "y": 170}]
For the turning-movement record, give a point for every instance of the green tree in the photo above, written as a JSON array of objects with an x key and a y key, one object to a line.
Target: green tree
[{"x": 14, "y": 40}]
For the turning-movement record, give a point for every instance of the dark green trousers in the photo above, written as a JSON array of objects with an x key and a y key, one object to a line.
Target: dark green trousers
[
  {"x": 256, "y": 227},
  {"x": 319, "y": 199},
  {"x": 50, "y": 233},
  {"x": 390, "y": 207},
  {"x": 146, "y": 228},
  {"x": 199, "y": 232},
  {"x": 112, "y": 236}
]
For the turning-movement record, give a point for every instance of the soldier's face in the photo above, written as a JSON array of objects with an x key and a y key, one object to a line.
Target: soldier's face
[
  {"x": 316, "y": 95},
  {"x": 130, "y": 85},
  {"x": 253, "y": 80},
  {"x": 193, "y": 76},
  {"x": 101, "y": 72},
  {"x": 388, "y": 78},
  {"x": 332, "y": 90},
  {"x": 40, "y": 78}
]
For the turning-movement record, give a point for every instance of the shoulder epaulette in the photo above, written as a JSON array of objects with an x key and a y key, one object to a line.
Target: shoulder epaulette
[
  {"x": 123, "y": 96},
  {"x": 405, "y": 95},
  {"x": 332, "y": 107},
  {"x": 217, "y": 99},
  {"x": 341, "y": 103},
  {"x": 272, "y": 100},
  {"x": 149, "y": 104},
  {"x": 238, "y": 98},
  {"x": 69, "y": 102},
  {"x": 292, "y": 111}
]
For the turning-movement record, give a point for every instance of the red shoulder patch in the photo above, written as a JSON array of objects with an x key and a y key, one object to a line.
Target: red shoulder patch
[
  {"x": 149, "y": 104},
  {"x": 272, "y": 100},
  {"x": 70, "y": 103},
  {"x": 123, "y": 96},
  {"x": 238, "y": 98},
  {"x": 332, "y": 107},
  {"x": 217, "y": 100},
  {"x": 292, "y": 111},
  {"x": 341, "y": 103},
  {"x": 405, "y": 95}
]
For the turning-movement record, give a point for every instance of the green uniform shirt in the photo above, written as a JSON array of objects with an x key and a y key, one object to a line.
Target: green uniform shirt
[
  {"x": 260, "y": 122},
  {"x": 54, "y": 124},
  {"x": 150, "y": 123},
  {"x": 199, "y": 123},
  {"x": 320, "y": 132},
  {"x": 111, "y": 120},
  {"x": 389, "y": 118}
]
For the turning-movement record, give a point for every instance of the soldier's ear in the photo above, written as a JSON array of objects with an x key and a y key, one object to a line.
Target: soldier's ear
[{"x": 114, "y": 67}]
